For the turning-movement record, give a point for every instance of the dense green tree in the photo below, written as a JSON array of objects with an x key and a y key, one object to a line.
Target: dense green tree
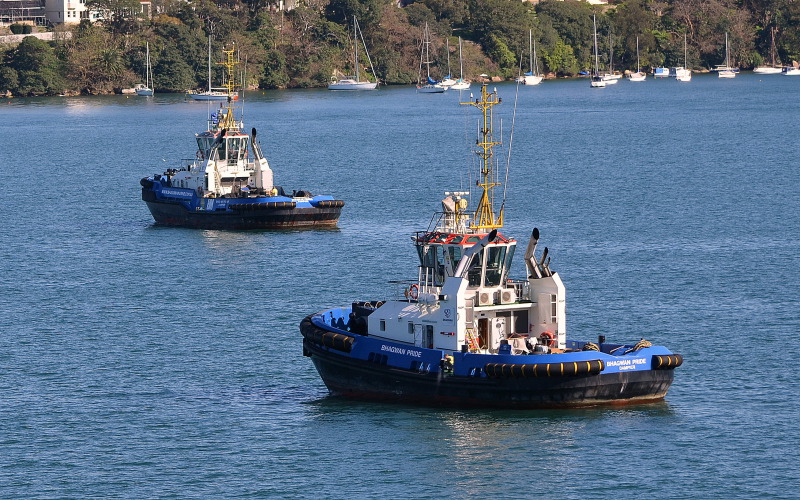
[
  {"x": 38, "y": 69},
  {"x": 120, "y": 15},
  {"x": 9, "y": 81},
  {"x": 561, "y": 59},
  {"x": 368, "y": 12},
  {"x": 632, "y": 20},
  {"x": 572, "y": 23}
]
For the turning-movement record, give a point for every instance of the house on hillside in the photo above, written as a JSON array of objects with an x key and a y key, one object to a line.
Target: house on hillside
[
  {"x": 22, "y": 11},
  {"x": 52, "y": 12}
]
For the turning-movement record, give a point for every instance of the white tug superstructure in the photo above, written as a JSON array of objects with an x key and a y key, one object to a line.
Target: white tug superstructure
[
  {"x": 224, "y": 166},
  {"x": 463, "y": 295}
]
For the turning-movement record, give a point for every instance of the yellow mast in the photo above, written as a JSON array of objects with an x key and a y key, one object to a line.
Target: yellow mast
[
  {"x": 230, "y": 84},
  {"x": 484, "y": 215}
]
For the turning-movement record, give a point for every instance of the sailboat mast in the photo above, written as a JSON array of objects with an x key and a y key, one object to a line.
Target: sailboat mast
[
  {"x": 209, "y": 63},
  {"x": 530, "y": 48},
  {"x": 727, "y": 55},
  {"x": 637, "y": 54},
  {"x": 460, "y": 61},
  {"x": 355, "y": 47},
  {"x": 685, "y": 58},
  {"x": 596, "y": 56},
  {"x": 427, "y": 51},
  {"x": 447, "y": 47}
]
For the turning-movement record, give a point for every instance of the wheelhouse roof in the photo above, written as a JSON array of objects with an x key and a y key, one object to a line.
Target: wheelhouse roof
[{"x": 437, "y": 237}]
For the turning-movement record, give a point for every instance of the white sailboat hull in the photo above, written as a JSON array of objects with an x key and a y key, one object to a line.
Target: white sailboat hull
[
  {"x": 431, "y": 89},
  {"x": 212, "y": 96},
  {"x": 637, "y": 77},
  {"x": 726, "y": 73},
  {"x": 767, "y": 70},
  {"x": 352, "y": 85},
  {"x": 460, "y": 85},
  {"x": 530, "y": 79}
]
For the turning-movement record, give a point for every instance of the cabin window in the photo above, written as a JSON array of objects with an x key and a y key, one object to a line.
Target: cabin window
[
  {"x": 509, "y": 258},
  {"x": 236, "y": 146},
  {"x": 553, "y": 308},
  {"x": 454, "y": 254},
  {"x": 429, "y": 336},
  {"x": 431, "y": 258},
  {"x": 475, "y": 269},
  {"x": 411, "y": 328},
  {"x": 383, "y": 325},
  {"x": 494, "y": 265}
]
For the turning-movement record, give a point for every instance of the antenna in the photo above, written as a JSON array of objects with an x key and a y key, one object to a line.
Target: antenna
[{"x": 484, "y": 215}]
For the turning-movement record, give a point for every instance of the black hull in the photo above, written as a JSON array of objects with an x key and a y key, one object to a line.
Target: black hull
[
  {"x": 171, "y": 214},
  {"x": 355, "y": 378}
]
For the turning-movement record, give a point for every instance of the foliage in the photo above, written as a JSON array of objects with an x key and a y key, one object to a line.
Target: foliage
[
  {"x": 307, "y": 45},
  {"x": 121, "y": 15},
  {"x": 561, "y": 59}
]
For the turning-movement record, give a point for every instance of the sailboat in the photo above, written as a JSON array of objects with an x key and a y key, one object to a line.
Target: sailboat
[
  {"x": 532, "y": 77},
  {"x": 146, "y": 88},
  {"x": 684, "y": 74},
  {"x": 354, "y": 82},
  {"x": 213, "y": 93},
  {"x": 430, "y": 86},
  {"x": 448, "y": 81},
  {"x": 638, "y": 76},
  {"x": 773, "y": 68},
  {"x": 596, "y": 80},
  {"x": 725, "y": 71},
  {"x": 460, "y": 84},
  {"x": 610, "y": 77}
]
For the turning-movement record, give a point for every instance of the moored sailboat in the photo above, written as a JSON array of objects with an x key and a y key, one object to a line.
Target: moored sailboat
[
  {"x": 725, "y": 70},
  {"x": 774, "y": 67},
  {"x": 461, "y": 83},
  {"x": 355, "y": 82},
  {"x": 639, "y": 76},
  {"x": 464, "y": 334},
  {"x": 146, "y": 88},
  {"x": 230, "y": 184},
  {"x": 212, "y": 93},
  {"x": 684, "y": 74},
  {"x": 429, "y": 86},
  {"x": 596, "y": 80},
  {"x": 532, "y": 77}
]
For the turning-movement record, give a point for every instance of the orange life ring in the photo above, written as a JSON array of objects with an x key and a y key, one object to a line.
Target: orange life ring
[
  {"x": 549, "y": 338},
  {"x": 413, "y": 291}
]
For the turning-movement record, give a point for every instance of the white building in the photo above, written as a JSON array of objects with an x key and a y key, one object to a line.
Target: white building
[
  {"x": 73, "y": 11},
  {"x": 68, "y": 11}
]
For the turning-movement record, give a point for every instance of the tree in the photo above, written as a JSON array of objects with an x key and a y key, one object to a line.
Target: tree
[
  {"x": 121, "y": 15},
  {"x": 561, "y": 59},
  {"x": 38, "y": 69}
]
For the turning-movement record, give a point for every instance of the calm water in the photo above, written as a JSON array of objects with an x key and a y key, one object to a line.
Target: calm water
[{"x": 140, "y": 362}]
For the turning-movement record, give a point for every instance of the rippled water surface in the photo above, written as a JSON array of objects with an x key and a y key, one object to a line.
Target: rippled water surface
[{"x": 141, "y": 362}]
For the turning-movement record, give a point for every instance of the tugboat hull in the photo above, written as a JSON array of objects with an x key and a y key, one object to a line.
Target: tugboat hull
[
  {"x": 277, "y": 218},
  {"x": 242, "y": 215},
  {"x": 345, "y": 374}
]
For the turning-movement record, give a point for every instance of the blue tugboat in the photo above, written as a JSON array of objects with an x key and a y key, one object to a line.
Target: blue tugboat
[
  {"x": 465, "y": 334},
  {"x": 230, "y": 184}
]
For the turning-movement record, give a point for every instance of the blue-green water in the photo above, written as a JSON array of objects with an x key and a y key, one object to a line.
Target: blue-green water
[{"x": 146, "y": 362}]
